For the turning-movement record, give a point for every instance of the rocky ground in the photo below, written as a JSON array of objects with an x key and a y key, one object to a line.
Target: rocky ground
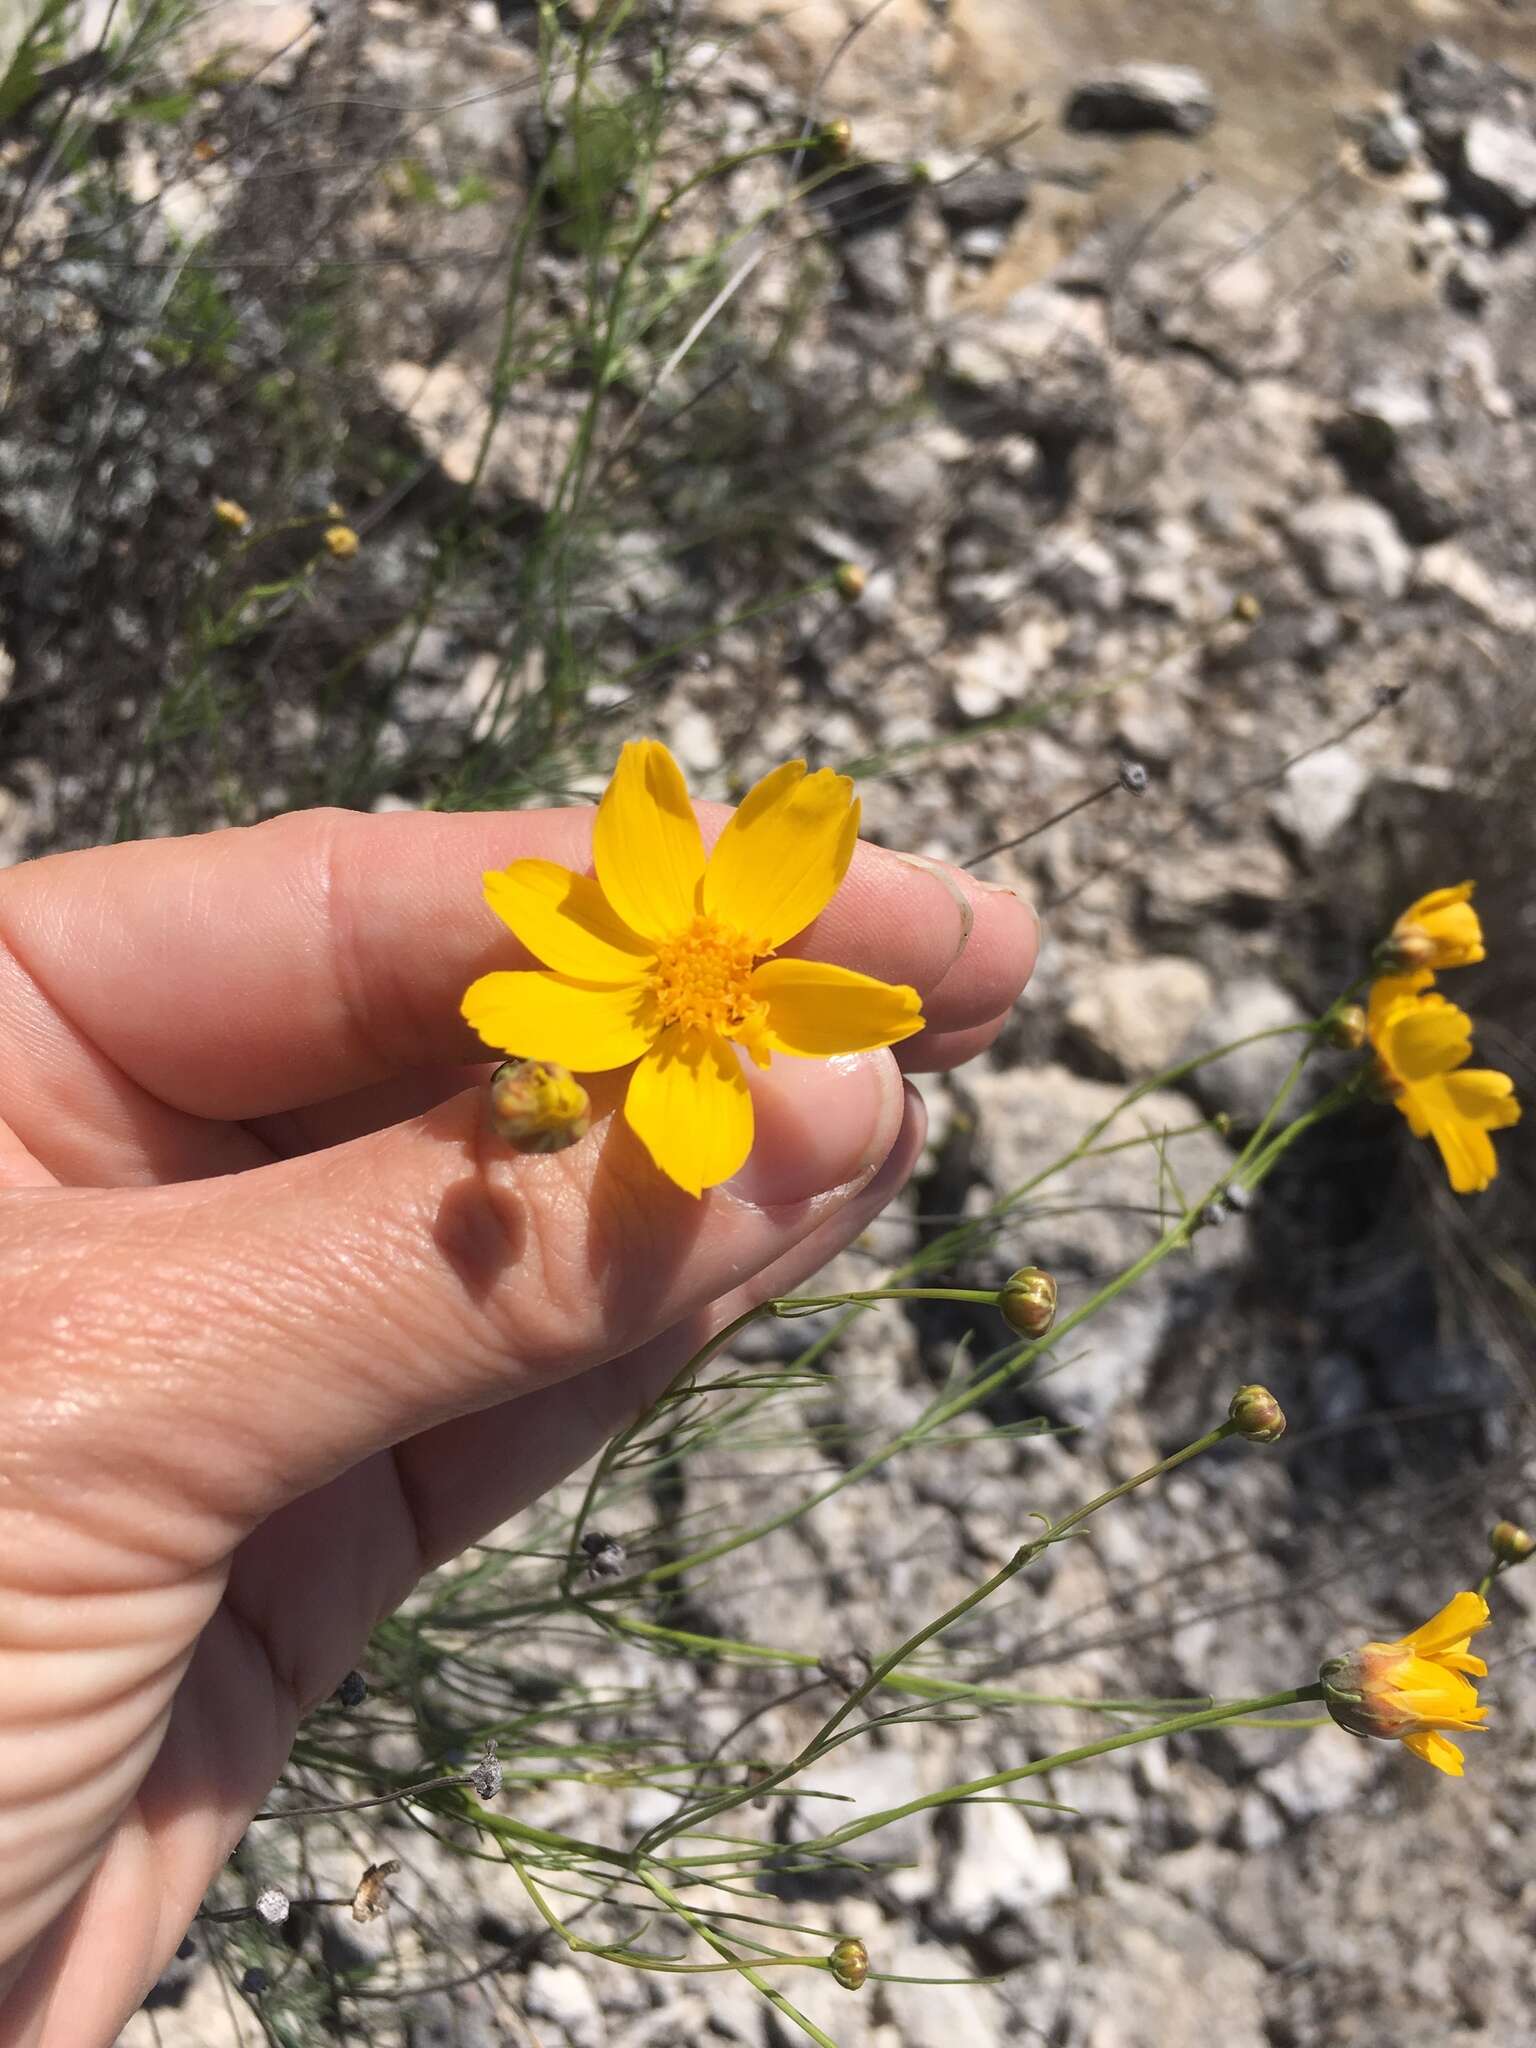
[{"x": 1183, "y": 417}]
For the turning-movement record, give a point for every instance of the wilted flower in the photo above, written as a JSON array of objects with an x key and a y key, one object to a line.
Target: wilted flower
[
  {"x": 538, "y": 1107},
  {"x": 666, "y": 960},
  {"x": 1410, "y": 1690},
  {"x": 342, "y": 542},
  {"x": 486, "y": 1777},
  {"x": 372, "y": 1895},
  {"x": 1440, "y": 930},
  {"x": 1423, "y": 1043}
]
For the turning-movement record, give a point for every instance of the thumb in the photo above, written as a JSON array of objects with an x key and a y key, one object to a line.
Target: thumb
[{"x": 208, "y": 1351}]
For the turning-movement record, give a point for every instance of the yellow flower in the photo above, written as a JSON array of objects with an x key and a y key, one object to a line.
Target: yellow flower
[
  {"x": 1423, "y": 1043},
  {"x": 667, "y": 959},
  {"x": 1440, "y": 930},
  {"x": 342, "y": 542},
  {"x": 228, "y": 513},
  {"x": 1408, "y": 1691}
]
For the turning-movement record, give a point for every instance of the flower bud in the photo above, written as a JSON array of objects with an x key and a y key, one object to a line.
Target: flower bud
[
  {"x": 836, "y": 138},
  {"x": 1510, "y": 1543},
  {"x": 1344, "y": 1028},
  {"x": 538, "y": 1107},
  {"x": 1027, "y": 1301},
  {"x": 1257, "y": 1415},
  {"x": 1133, "y": 778},
  {"x": 848, "y": 579},
  {"x": 1246, "y": 607},
  {"x": 272, "y": 1905},
  {"x": 229, "y": 513},
  {"x": 342, "y": 542},
  {"x": 1408, "y": 949},
  {"x": 850, "y": 1963}
]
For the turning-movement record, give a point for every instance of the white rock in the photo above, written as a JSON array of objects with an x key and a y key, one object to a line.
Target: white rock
[
  {"x": 1135, "y": 1015},
  {"x": 1319, "y": 794},
  {"x": 1501, "y": 159},
  {"x": 1098, "y": 1215},
  {"x": 1135, "y": 98},
  {"x": 1245, "y": 1082},
  {"x": 696, "y": 742},
  {"x": 1003, "y": 1867},
  {"x": 1353, "y": 549},
  {"x": 1326, "y": 1772},
  {"x": 560, "y": 1992}
]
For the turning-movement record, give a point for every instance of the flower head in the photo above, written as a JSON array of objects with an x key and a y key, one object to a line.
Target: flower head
[
  {"x": 1410, "y": 1690},
  {"x": 1440, "y": 930},
  {"x": 1423, "y": 1044},
  {"x": 667, "y": 961},
  {"x": 538, "y": 1107}
]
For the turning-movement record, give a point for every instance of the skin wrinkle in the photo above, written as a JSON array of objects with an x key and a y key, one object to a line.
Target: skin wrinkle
[{"x": 360, "y": 1336}]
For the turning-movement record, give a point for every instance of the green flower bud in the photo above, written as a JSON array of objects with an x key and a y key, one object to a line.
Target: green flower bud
[
  {"x": 848, "y": 580},
  {"x": 1510, "y": 1543},
  {"x": 836, "y": 138},
  {"x": 1344, "y": 1028},
  {"x": 850, "y": 1963},
  {"x": 1258, "y": 1416},
  {"x": 1027, "y": 1301}
]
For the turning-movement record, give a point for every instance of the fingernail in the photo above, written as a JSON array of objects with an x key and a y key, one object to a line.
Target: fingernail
[
  {"x": 820, "y": 1125},
  {"x": 1037, "y": 930},
  {"x": 950, "y": 883}
]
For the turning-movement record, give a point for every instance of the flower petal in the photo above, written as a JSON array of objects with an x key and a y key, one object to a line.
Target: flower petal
[
  {"x": 646, "y": 845},
  {"x": 1466, "y": 1148},
  {"x": 689, "y": 1105},
  {"x": 816, "y": 1010},
  {"x": 1426, "y": 1036},
  {"x": 1484, "y": 1096},
  {"x": 1436, "y": 1749},
  {"x": 779, "y": 861},
  {"x": 586, "y": 1026},
  {"x": 566, "y": 922},
  {"x": 1457, "y": 1622},
  {"x": 1386, "y": 992}
]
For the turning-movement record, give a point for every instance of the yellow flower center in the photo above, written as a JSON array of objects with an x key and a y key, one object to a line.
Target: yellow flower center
[{"x": 702, "y": 979}]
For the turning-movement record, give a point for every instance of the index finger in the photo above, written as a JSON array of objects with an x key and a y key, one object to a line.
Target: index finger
[{"x": 243, "y": 972}]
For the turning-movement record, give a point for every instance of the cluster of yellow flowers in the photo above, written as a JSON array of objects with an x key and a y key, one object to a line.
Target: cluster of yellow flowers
[{"x": 1422, "y": 1042}]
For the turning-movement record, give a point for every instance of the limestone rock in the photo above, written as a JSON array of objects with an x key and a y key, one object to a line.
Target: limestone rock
[
  {"x": 1140, "y": 98},
  {"x": 1133, "y": 1017}
]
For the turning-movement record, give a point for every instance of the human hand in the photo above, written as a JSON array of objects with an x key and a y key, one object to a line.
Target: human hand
[{"x": 284, "y": 1326}]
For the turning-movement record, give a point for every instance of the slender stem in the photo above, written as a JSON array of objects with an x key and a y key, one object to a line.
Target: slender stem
[
  {"x": 706, "y": 1933},
  {"x": 1181, "y": 1724},
  {"x": 690, "y": 1819}
]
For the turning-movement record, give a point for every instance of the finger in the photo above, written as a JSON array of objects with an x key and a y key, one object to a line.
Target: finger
[
  {"x": 940, "y": 1052},
  {"x": 471, "y": 1474},
  {"x": 212, "y": 1351},
  {"x": 466, "y": 1476},
  {"x": 242, "y": 973}
]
